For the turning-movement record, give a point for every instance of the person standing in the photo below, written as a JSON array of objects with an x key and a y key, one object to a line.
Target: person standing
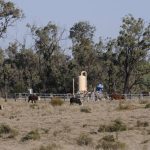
[{"x": 99, "y": 90}]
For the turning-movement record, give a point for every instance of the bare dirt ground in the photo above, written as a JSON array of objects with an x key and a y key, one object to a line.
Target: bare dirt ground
[{"x": 61, "y": 127}]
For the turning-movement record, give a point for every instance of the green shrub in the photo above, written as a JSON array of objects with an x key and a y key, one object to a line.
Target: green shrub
[
  {"x": 6, "y": 131},
  {"x": 32, "y": 135},
  {"x": 85, "y": 109},
  {"x": 109, "y": 143},
  {"x": 147, "y": 105},
  {"x": 84, "y": 139},
  {"x": 117, "y": 125},
  {"x": 56, "y": 101}
]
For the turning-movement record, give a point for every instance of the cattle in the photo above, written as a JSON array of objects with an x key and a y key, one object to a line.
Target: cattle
[
  {"x": 75, "y": 100},
  {"x": 32, "y": 98},
  {"x": 116, "y": 96},
  {"x": 145, "y": 93}
]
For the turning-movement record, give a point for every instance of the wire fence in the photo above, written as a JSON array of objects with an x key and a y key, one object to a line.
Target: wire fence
[
  {"x": 42, "y": 96},
  {"x": 92, "y": 96}
]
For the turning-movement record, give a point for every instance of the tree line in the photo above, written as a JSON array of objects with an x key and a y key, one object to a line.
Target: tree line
[{"x": 122, "y": 64}]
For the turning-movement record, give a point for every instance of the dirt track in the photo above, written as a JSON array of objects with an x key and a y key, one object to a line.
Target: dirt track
[{"x": 61, "y": 126}]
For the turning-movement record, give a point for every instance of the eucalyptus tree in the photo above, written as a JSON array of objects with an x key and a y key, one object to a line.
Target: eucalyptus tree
[
  {"x": 11, "y": 73},
  {"x": 47, "y": 45},
  {"x": 9, "y": 13},
  {"x": 81, "y": 35},
  {"x": 83, "y": 48},
  {"x": 109, "y": 64},
  {"x": 62, "y": 73},
  {"x": 1, "y": 69},
  {"x": 19, "y": 68},
  {"x": 134, "y": 46},
  {"x": 26, "y": 62},
  {"x": 7, "y": 69}
]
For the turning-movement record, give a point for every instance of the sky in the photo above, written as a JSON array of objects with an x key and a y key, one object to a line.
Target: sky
[{"x": 105, "y": 15}]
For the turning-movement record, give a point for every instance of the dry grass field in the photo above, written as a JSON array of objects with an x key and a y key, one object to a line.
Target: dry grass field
[{"x": 102, "y": 125}]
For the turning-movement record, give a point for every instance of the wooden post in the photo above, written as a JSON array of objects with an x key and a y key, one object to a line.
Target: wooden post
[
  {"x": 15, "y": 97},
  {"x": 73, "y": 87}
]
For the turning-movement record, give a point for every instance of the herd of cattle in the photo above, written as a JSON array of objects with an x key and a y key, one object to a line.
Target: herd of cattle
[
  {"x": 114, "y": 96},
  {"x": 33, "y": 98},
  {"x": 76, "y": 100}
]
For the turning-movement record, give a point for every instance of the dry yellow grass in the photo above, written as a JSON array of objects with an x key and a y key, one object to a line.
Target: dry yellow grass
[{"x": 62, "y": 125}]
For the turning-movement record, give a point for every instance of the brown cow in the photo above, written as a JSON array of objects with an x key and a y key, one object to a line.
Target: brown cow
[{"x": 116, "y": 96}]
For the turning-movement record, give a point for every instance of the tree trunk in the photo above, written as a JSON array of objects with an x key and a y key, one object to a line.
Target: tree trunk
[{"x": 126, "y": 84}]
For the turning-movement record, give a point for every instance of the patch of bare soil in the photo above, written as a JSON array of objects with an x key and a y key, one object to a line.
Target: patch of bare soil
[{"x": 40, "y": 126}]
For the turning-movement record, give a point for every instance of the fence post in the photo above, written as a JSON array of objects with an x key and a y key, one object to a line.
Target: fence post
[
  {"x": 141, "y": 96},
  {"x": 25, "y": 96},
  {"x": 5, "y": 96},
  {"x": 15, "y": 97},
  {"x": 125, "y": 96}
]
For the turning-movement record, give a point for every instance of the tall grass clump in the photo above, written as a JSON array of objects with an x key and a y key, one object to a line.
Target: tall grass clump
[
  {"x": 110, "y": 143},
  {"x": 7, "y": 132},
  {"x": 34, "y": 106},
  {"x": 85, "y": 109},
  {"x": 48, "y": 147},
  {"x": 143, "y": 102},
  {"x": 142, "y": 123},
  {"x": 116, "y": 126},
  {"x": 32, "y": 135},
  {"x": 147, "y": 105},
  {"x": 84, "y": 139},
  {"x": 56, "y": 101},
  {"x": 123, "y": 106}
]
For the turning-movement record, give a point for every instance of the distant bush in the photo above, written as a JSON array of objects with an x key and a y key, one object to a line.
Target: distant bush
[
  {"x": 117, "y": 125},
  {"x": 84, "y": 139},
  {"x": 123, "y": 106},
  {"x": 143, "y": 101},
  {"x": 56, "y": 101},
  {"x": 142, "y": 124},
  {"x": 32, "y": 135},
  {"x": 34, "y": 106},
  {"x": 109, "y": 143},
  {"x": 49, "y": 147},
  {"x": 148, "y": 132},
  {"x": 56, "y": 132},
  {"x": 85, "y": 109},
  {"x": 103, "y": 128},
  {"x": 45, "y": 130},
  {"x": 7, "y": 132},
  {"x": 147, "y": 105}
]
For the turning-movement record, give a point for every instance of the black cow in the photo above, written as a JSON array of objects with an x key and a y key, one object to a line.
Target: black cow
[
  {"x": 145, "y": 93},
  {"x": 32, "y": 98},
  {"x": 75, "y": 100}
]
